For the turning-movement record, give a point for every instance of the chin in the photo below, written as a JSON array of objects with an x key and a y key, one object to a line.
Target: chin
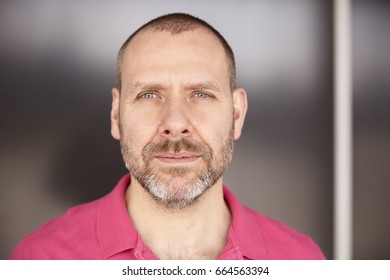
[{"x": 178, "y": 190}]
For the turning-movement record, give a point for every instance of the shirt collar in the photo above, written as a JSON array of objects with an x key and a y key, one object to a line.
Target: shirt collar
[
  {"x": 245, "y": 228},
  {"x": 116, "y": 232}
]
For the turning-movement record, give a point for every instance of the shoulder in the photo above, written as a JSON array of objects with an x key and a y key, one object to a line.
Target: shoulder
[
  {"x": 261, "y": 237},
  {"x": 60, "y": 236},
  {"x": 83, "y": 232},
  {"x": 283, "y": 242}
]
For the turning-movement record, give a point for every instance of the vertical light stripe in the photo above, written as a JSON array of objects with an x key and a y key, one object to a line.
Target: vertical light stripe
[{"x": 342, "y": 130}]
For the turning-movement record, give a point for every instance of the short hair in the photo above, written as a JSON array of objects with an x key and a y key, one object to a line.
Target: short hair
[{"x": 177, "y": 23}]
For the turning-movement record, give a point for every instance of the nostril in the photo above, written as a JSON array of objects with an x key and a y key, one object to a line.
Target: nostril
[
  {"x": 167, "y": 132},
  {"x": 185, "y": 131}
]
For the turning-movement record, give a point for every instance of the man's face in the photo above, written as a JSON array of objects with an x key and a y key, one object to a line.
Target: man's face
[{"x": 175, "y": 116}]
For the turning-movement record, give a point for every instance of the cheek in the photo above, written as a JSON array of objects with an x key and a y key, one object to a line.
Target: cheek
[
  {"x": 215, "y": 128},
  {"x": 136, "y": 129}
]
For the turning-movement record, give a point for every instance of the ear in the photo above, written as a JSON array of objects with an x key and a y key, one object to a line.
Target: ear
[
  {"x": 115, "y": 131},
  {"x": 240, "y": 106}
]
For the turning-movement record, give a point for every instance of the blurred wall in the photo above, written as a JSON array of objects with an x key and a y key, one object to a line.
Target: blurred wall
[
  {"x": 371, "y": 76},
  {"x": 57, "y": 60}
]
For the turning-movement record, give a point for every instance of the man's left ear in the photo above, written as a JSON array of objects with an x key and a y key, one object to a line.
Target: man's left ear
[{"x": 240, "y": 106}]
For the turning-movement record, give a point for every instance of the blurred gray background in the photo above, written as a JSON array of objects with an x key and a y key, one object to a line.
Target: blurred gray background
[{"x": 57, "y": 63}]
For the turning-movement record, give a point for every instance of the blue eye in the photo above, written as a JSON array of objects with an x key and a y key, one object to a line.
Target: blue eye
[
  {"x": 202, "y": 95},
  {"x": 149, "y": 95}
]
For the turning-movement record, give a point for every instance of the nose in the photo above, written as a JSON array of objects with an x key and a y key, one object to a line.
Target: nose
[{"x": 175, "y": 122}]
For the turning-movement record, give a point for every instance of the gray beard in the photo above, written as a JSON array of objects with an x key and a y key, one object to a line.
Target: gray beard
[
  {"x": 188, "y": 195},
  {"x": 178, "y": 196}
]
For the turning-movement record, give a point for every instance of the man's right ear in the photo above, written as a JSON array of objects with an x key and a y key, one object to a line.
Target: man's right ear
[{"x": 115, "y": 131}]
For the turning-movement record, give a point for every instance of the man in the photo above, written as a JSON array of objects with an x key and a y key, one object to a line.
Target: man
[{"x": 176, "y": 112}]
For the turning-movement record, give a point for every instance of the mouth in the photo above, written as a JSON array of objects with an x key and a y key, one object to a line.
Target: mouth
[{"x": 178, "y": 158}]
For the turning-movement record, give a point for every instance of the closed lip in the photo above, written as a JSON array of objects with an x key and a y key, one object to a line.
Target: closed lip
[{"x": 177, "y": 157}]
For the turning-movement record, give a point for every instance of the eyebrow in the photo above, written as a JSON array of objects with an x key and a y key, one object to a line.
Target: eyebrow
[
  {"x": 207, "y": 85},
  {"x": 202, "y": 86},
  {"x": 148, "y": 86}
]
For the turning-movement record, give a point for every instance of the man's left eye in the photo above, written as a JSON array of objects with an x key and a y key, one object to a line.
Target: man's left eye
[{"x": 202, "y": 95}]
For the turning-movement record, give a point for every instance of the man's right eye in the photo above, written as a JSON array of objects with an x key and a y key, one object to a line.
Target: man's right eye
[{"x": 148, "y": 95}]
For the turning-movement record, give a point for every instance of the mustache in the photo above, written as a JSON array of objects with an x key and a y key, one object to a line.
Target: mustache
[{"x": 177, "y": 146}]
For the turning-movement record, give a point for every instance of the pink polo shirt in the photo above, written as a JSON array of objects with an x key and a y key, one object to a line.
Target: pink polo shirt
[{"x": 102, "y": 229}]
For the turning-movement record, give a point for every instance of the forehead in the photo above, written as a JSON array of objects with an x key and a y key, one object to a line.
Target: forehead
[
  {"x": 198, "y": 38},
  {"x": 197, "y": 51}
]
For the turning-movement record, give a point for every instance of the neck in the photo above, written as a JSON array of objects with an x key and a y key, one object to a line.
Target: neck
[{"x": 196, "y": 232}]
